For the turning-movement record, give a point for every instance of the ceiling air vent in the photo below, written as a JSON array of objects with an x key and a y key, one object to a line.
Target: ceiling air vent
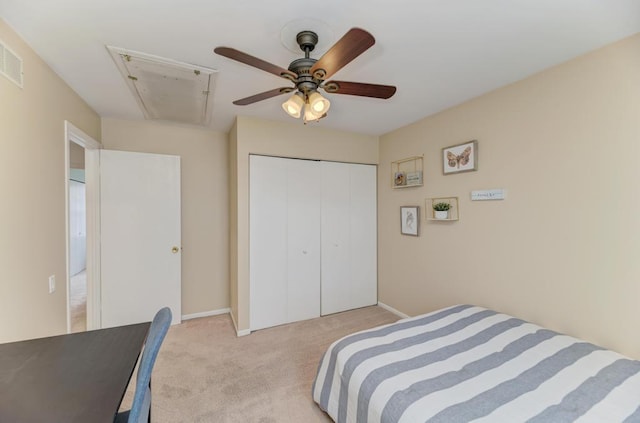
[
  {"x": 10, "y": 65},
  {"x": 166, "y": 89}
]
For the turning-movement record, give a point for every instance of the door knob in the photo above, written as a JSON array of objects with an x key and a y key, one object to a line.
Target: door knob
[{"x": 175, "y": 250}]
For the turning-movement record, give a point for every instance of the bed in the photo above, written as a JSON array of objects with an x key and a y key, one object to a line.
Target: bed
[{"x": 467, "y": 363}]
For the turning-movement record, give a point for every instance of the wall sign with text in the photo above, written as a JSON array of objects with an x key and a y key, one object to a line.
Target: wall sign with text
[{"x": 488, "y": 194}]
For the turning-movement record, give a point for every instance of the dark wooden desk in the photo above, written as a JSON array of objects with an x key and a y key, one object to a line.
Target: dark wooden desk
[{"x": 73, "y": 378}]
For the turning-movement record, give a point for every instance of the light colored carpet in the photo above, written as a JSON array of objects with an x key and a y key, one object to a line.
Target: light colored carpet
[{"x": 204, "y": 373}]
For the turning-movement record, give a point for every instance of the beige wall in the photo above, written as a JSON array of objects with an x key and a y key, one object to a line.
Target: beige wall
[
  {"x": 203, "y": 158},
  {"x": 233, "y": 220},
  {"x": 562, "y": 249},
  {"x": 254, "y": 136},
  {"x": 32, "y": 183}
]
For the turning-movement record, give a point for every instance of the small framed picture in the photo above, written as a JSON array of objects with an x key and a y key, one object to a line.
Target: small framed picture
[
  {"x": 460, "y": 158},
  {"x": 409, "y": 220},
  {"x": 400, "y": 179}
]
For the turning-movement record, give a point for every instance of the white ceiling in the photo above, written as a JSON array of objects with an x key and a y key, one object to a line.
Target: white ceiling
[{"x": 438, "y": 53}]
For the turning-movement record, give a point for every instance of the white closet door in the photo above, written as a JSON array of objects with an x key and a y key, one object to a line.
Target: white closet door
[
  {"x": 284, "y": 241},
  {"x": 303, "y": 239},
  {"x": 268, "y": 242},
  {"x": 364, "y": 236},
  {"x": 349, "y": 253}
]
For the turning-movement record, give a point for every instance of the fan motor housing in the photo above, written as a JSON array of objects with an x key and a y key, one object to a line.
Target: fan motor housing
[
  {"x": 305, "y": 81},
  {"x": 302, "y": 66}
]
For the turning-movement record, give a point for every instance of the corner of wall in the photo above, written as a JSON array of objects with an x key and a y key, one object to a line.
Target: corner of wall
[{"x": 233, "y": 222}]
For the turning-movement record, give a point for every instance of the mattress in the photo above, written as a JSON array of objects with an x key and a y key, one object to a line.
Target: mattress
[{"x": 470, "y": 364}]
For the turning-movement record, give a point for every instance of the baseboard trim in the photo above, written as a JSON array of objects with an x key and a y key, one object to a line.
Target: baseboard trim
[
  {"x": 239, "y": 333},
  {"x": 393, "y": 310},
  {"x": 206, "y": 314}
]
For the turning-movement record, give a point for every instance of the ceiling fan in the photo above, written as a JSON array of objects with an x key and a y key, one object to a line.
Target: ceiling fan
[{"x": 309, "y": 75}]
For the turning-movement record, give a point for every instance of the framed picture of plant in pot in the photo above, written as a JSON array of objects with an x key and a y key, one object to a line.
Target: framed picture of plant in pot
[
  {"x": 409, "y": 220},
  {"x": 460, "y": 158}
]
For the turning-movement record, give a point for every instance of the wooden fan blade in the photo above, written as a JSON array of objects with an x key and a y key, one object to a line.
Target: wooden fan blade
[
  {"x": 359, "y": 88},
  {"x": 355, "y": 42},
  {"x": 247, "y": 59},
  {"x": 262, "y": 96}
]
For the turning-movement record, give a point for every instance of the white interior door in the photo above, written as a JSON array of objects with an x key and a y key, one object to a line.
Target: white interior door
[
  {"x": 284, "y": 252},
  {"x": 140, "y": 236},
  {"x": 349, "y": 237}
]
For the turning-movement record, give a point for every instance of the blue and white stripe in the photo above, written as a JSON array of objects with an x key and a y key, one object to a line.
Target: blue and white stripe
[{"x": 467, "y": 363}]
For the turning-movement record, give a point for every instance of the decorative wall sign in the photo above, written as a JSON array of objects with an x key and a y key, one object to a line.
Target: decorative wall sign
[
  {"x": 488, "y": 194},
  {"x": 460, "y": 158},
  {"x": 414, "y": 178}
]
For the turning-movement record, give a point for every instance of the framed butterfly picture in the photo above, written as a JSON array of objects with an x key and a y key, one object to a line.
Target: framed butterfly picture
[{"x": 460, "y": 158}]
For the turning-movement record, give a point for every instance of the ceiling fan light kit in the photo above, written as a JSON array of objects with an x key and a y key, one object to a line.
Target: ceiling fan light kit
[
  {"x": 308, "y": 74},
  {"x": 315, "y": 106}
]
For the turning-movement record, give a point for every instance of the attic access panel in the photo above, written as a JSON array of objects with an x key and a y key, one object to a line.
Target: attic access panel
[
  {"x": 166, "y": 89},
  {"x": 10, "y": 65}
]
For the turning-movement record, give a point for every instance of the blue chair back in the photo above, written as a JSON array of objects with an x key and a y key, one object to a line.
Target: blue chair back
[{"x": 141, "y": 406}]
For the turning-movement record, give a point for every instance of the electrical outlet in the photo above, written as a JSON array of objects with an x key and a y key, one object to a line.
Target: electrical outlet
[{"x": 52, "y": 284}]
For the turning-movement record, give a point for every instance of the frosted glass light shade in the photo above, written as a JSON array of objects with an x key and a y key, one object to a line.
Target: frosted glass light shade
[
  {"x": 294, "y": 105},
  {"x": 310, "y": 115},
  {"x": 319, "y": 104}
]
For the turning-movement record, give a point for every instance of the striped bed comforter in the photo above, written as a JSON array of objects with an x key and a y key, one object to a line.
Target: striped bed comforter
[{"x": 467, "y": 363}]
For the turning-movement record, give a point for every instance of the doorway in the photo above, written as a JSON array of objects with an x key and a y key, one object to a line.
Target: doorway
[
  {"x": 77, "y": 239},
  {"x": 157, "y": 264},
  {"x": 81, "y": 223}
]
